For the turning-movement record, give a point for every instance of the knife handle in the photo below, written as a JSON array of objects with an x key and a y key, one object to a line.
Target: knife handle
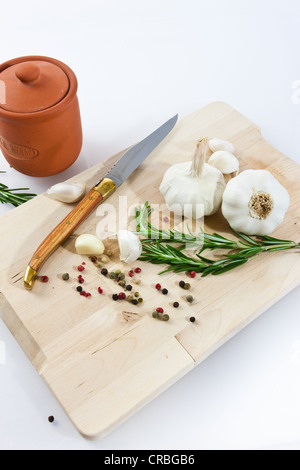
[{"x": 62, "y": 231}]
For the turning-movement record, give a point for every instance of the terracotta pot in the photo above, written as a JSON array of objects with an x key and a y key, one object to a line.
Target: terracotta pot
[{"x": 40, "y": 126}]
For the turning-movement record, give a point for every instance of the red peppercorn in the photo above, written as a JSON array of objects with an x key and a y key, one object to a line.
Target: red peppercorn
[
  {"x": 83, "y": 263},
  {"x": 122, "y": 296},
  {"x": 158, "y": 286},
  {"x": 81, "y": 268},
  {"x": 131, "y": 274},
  {"x": 44, "y": 278},
  {"x": 192, "y": 274},
  {"x": 100, "y": 290},
  {"x": 83, "y": 292},
  {"x": 160, "y": 310},
  {"x": 88, "y": 294},
  {"x": 137, "y": 270}
]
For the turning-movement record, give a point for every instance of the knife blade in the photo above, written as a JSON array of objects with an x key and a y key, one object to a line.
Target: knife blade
[{"x": 124, "y": 167}]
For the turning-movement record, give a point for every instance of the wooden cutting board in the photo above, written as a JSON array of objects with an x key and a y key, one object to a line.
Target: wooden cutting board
[{"x": 104, "y": 360}]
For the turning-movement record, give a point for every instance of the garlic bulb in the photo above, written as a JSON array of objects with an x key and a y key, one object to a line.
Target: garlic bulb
[
  {"x": 193, "y": 188},
  {"x": 254, "y": 202},
  {"x": 130, "y": 246},
  {"x": 225, "y": 161},
  {"x": 67, "y": 192},
  {"x": 219, "y": 144},
  {"x": 88, "y": 244}
]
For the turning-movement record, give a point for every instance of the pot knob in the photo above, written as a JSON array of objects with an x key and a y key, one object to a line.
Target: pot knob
[{"x": 27, "y": 72}]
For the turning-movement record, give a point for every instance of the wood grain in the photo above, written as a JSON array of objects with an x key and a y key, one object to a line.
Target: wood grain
[{"x": 104, "y": 360}]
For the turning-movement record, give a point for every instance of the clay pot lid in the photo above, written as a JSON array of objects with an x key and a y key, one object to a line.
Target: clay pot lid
[{"x": 32, "y": 86}]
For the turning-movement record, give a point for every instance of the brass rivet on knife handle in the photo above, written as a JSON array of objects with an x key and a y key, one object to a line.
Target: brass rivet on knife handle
[{"x": 93, "y": 198}]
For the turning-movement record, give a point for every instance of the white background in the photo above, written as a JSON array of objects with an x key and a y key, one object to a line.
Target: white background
[{"x": 138, "y": 63}]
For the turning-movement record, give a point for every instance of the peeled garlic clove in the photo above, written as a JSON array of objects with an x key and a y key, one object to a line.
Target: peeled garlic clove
[
  {"x": 130, "y": 246},
  {"x": 226, "y": 162},
  {"x": 219, "y": 144},
  {"x": 87, "y": 244},
  {"x": 67, "y": 192}
]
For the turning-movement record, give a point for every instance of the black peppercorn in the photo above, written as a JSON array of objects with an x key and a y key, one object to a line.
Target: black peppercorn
[
  {"x": 135, "y": 301},
  {"x": 192, "y": 319},
  {"x": 104, "y": 271},
  {"x": 165, "y": 291},
  {"x": 129, "y": 287},
  {"x": 115, "y": 296},
  {"x": 176, "y": 304},
  {"x": 182, "y": 284},
  {"x": 51, "y": 419},
  {"x": 79, "y": 289}
]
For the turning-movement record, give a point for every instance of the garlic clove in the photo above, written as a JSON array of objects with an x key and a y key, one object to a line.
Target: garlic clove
[
  {"x": 88, "y": 244},
  {"x": 130, "y": 246},
  {"x": 225, "y": 161},
  {"x": 67, "y": 192},
  {"x": 219, "y": 144}
]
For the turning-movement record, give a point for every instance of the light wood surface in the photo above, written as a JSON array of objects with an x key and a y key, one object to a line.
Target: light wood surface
[{"x": 104, "y": 360}]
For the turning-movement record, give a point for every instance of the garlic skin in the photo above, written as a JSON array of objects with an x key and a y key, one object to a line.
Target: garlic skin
[
  {"x": 88, "y": 244},
  {"x": 225, "y": 161},
  {"x": 130, "y": 246},
  {"x": 193, "y": 188},
  {"x": 67, "y": 192},
  {"x": 255, "y": 203},
  {"x": 219, "y": 144}
]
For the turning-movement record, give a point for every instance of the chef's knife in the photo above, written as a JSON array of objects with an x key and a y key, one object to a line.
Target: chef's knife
[{"x": 114, "y": 178}]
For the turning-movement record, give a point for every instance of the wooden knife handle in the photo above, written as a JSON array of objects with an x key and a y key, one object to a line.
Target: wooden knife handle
[{"x": 93, "y": 198}]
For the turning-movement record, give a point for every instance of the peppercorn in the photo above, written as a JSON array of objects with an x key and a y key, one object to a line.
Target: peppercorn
[
  {"x": 80, "y": 268},
  {"x": 182, "y": 284},
  {"x": 44, "y": 278},
  {"x": 192, "y": 319},
  {"x": 187, "y": 286},
  {"x": 137, "y": 282},
  {"x": 130, "y": 298},
  {"x": 122, "y": 283},
  {"x": 104, "y": 259},
  {"x": 112, "y": 275},
  {"x": 129, "y": 287},
  {"x": 79, "y": 289},
  {"x": 158, "y": 286},
  {"x": 155, "y": 314},
  {"x": 104, "y": 271},
  {"x": 99, "y": 265},
  {"x": 131, "y": 273},
  {"x": 122, "y": 296},
  {"x": 66, "y": 276},
  {"x": 93, "y": 259},
  {"x": 135, "y": 302},
  {"x": 165, "y": 317},
  {"x": 109, "y": 252},
  {"x": 100, "y": 290},
  {"x": 140, "y": 300},
  {"x": 118, "y": 271},
  {"x": 176, "y": 304},
  {"x": 121, "y": 276},
  {"x": 51, "y": 419},
  {"x": 115, "y": 297},
  {"x": 137, "y": 270},
  {"x": 193, "y": 274},
  {"x": 165, "y": 291},
  {"x": 160, "y": 310},
  {"x": 136, "y": 294},
  {"x": 189, "y": 298}
]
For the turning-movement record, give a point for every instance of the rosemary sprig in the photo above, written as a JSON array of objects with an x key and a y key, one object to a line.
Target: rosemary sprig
[
  {"x": 157, "y": 248},
  {"x": 14, "y": 196}
]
